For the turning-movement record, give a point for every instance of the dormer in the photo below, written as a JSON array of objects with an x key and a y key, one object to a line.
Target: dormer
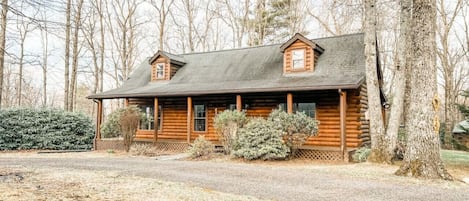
[
  {"x": 300, "y": 54},
  {"x": 164, "y": 65}
]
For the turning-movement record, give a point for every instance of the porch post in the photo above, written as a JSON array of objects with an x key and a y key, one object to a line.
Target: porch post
[
  {"x": 155, "y": 119},
  {"x": 343, "y": 134},
  {"x": 189, "y": 118},
  {"x": 239, "y": 104},
  {"x": 126, "y": 102},
  {"x": 289, "y": 103},
  {"x": 99, "y": 119}
]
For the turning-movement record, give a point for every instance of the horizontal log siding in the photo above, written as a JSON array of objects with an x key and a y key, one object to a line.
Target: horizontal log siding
[
  {"x": 167, "y": 69},
  {"x": 260, "y": 105}
]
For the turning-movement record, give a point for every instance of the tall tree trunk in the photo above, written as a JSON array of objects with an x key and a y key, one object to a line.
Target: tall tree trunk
[
  {"x": 377, "y": 132},
  {"x": 397, "y": 107},
  {"x": 422, "y": 157},
  {"x": 101, "y": 47},
  {"x": 67, "y": 56},
  {"x": 45, "y": 52},
  {"x": 3, "y": 19},
  {"x": 73, "y": 81},
  {"x": 20, "y": 74}
]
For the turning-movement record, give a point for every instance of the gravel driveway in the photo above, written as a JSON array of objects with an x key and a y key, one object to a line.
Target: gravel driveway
[{"x": 275, "y": 181}]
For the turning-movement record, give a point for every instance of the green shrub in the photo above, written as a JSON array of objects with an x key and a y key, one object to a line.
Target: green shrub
[
  {"x": 26, "y": 128},
  {"x": 260, "y": 140},
  {"x": 361, "y": 155},
  {"x": 129, "y": 120},
  {"x": 228, "y": 124},
  {"x": 296, "y": 128},
  {"x": 201, "y": 147}
]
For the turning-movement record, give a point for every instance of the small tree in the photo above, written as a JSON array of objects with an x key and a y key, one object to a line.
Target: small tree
[
  {"x": 260, "y": 140},
  {"x": 129, "y": 120},
  {"x": 228, "y": 124},
  {"x": 296, "y": 128}
]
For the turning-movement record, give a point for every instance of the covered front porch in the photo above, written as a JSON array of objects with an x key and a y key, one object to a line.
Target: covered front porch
[{"x": 183, "y": 119}]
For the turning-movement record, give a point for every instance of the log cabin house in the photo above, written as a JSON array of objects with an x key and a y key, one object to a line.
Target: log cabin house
[{"x": 323, "y": 77}]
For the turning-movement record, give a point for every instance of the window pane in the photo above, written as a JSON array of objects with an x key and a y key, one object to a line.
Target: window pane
[
  {"x": 160, "y": 111},
  {"x": 147, "y": 123},
  {"x": 199, "y": 118},
  {"x": 199, "y": 125},
  {"x": 298, "y": 57},
  {"x": 308, "y": 108},
  {"x": 159, "y": 70}
]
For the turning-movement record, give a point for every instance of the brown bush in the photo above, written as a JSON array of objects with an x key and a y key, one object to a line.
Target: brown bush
[{"x": 129, "y": 120}]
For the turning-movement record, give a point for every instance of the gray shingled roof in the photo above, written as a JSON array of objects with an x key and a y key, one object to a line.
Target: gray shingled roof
[
  {"x": 461, "y": 127},
  {"x": 254, "y": 69}
]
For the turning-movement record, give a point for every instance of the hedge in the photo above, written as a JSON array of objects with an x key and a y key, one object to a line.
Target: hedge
[{"x": 25, "y": 128}]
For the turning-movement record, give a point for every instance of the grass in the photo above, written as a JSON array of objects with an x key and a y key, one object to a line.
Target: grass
[{"x": 457, "y": 158}]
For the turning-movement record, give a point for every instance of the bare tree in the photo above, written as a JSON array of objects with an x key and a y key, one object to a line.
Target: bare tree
[
  {"x": 377, "y": 132},
  {"x": 422, "y": 156},
  {"x": 24, "y": 27},
  {"x": 45, "y": 55},
  {"x": 236, "y": 16},
  {"x": 449, "y": 60},
  {"x": 3, "y": 26},
  {"x": 163, "y": 9},
  {"x": 67, "y": 55},
  {"x": 75, "y": 41},
  {"x": 397, "y": 107},
  {"x": 338, "y": 17}
]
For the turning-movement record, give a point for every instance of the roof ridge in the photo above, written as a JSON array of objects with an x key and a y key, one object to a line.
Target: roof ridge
[{"x": 260, "y": 46}]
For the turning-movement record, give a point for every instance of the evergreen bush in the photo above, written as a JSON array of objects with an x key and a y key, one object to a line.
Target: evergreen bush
[
  {"x": 260, "y": 140},
  {"x": 201, "y": 147},
  {"x": 361, "y": 155},
  {"x": 227, "y": 124},
  {"x": 296, "y": 128},
  {"x": 26, "y": 128}
]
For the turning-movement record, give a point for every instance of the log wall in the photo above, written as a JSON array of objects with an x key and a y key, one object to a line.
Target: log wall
[
  {"x": 309, "y": 57},
  {"x": 260, "y": 105}
]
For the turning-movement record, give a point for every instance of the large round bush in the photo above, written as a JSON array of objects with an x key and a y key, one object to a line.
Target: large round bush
[{"x": 26, "y": 128}]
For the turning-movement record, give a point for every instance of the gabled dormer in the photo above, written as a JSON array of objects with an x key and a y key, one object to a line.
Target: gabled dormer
[
  {"x": 300, "y": 54},
  {"x": 164, "y": 65}
]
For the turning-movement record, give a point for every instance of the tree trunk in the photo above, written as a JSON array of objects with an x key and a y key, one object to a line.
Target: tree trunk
[
  {"x": 377, "y": 133},
  {"x": 422, "y": 157},
  {"x": 3, "y": 19},
  {"x": 73, "y": 81},
  {"x": 397, "y": 107},
  {"x": 67, "y": 56},
  {"x": 20, "y": 74}
]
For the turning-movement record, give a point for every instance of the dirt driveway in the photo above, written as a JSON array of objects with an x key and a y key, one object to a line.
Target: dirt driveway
[{"x": 104, "y": 176}]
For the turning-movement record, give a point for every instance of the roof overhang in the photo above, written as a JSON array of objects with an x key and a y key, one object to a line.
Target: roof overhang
[
  {"x": 303, "y": 39},
  {"x": 227, "y": 91}
]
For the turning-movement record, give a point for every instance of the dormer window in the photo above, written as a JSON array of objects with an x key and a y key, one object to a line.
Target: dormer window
[
  {"x": 298, "y": 59},
  {"x": 160, "y": 71},
  {"x": 300, "y": 55}
]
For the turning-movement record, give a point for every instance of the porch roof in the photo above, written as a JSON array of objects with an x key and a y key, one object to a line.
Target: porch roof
[{"x": 254, "y": 69}]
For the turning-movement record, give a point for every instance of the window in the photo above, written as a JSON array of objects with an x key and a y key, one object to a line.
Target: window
[
  {"x": 298, "y": 59},
  {"x": 231, "y": 106},
  {"x": 159, "y": 70},
  {"x": 199, "y": 117},
  {"x": 308, "y": 108},
  {"x": 148, "y": 122},
  {"x": 282, "y": 107}
]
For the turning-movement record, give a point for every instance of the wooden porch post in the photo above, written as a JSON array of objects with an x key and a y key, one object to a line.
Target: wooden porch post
[
  {"x": 189, "y": 118},
  {"x": 239, "y": 104},
  {"x": 289, "y": 103},
  {"x": 343, "y": 112},
  {"x": 126, "y": 102},
  {"x": 99, "y": 119},
  {"x": 155, "y": 119}
]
